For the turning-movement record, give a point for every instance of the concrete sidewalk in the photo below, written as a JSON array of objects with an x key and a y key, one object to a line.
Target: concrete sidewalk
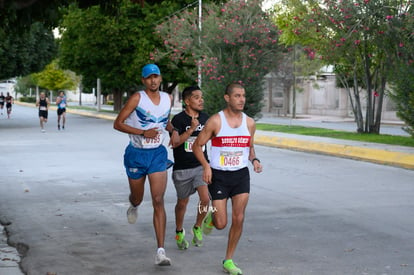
[
  {"x": 400, "y": 156},
  {"x": 9, "y": 257}
]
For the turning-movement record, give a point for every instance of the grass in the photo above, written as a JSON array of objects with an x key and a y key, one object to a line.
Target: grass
[
  {"x": 322, "y": 132},
  {"x": 313, "y": 131},
  {"x": 87, "y": 108}
]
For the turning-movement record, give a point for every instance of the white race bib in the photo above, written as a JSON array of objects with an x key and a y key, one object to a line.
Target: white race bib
[
  {"x": 188, "y": 144},
  {"x": 152, "y": 142},
  {"x": 231, "y": 159}
]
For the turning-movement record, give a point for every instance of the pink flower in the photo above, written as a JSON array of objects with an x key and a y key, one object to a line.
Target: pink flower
[
  {"x": 311, "y": 55},
  {"x": 376, "y": 93},
  {"x": 401, "y": 45},
  {"x": 389, "y": 17}
]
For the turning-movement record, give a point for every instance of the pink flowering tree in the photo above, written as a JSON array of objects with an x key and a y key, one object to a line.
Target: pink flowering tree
[
  {"x": 237, "y": 43},
  {"x": 402, "y": 77},
  {"x": 362, "y": 38}
]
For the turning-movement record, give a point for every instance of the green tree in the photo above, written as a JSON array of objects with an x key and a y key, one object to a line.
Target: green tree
[
  {"x": 357, "y": 37},
  {"x": 237, "y": 43},
  {"x": 403, "y": 95},
  {"x": 113, "y": 45},
  {"x": 402, "y": 77},
  {"x": 26, "y": 39},
  {"x": 25, "y": 51},
  {"x": 24, "y": 84},
  {"x": 53, "y": 78}
]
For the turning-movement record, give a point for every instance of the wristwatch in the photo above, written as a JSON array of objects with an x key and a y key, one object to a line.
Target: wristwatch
[{"x": 255, "y": 159}]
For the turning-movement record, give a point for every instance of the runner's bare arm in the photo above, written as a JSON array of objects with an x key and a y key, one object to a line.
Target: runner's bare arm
[
  {"x": 120, "y": 125},
  {"x": 257, "y": 166},
  {"x": 210, "y": 129},
  {"x": 169, "y": 126},
  {"x": 177, "y": 139}
]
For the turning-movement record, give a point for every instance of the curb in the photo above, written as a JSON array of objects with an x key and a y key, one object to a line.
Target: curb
[
  {"x": 91, "y": 113},
  {"x": 399, "y": 159}
]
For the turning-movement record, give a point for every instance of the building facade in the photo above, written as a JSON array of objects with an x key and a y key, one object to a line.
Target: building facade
[{"x": 315, "y": 96}]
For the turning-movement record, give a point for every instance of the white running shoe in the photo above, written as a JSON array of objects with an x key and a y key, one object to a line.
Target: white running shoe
[
  {"x": 161, "y": 259},
  {"x": 132, "y": 214}
]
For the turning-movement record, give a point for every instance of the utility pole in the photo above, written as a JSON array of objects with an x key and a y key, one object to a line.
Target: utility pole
[
  {"x": 200, "y": 8},
  {"x": 98, "y": 94},
  {"x": 294, "y": 83}
]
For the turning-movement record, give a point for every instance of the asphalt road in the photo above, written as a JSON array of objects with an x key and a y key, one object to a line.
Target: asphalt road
[{"x": 64, "y": 196}]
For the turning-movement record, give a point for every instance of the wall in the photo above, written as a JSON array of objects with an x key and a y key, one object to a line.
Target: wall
[{"x": 314, "y": 96}]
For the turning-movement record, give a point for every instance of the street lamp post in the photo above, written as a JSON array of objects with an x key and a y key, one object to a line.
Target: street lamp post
[{"x": 200, "y": 8}]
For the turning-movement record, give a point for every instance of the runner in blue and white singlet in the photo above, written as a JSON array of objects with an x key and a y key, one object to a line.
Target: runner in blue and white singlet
[
  {"x": 61, "y": 109},
  {"x": 147, "y": 115}
]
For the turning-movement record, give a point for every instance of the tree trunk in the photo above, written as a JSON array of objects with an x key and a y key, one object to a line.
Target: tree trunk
[
  {"x": 358, "y": 109},
  {"x": 369, "y": 118},
  {"x": 80, "y": 93},
  {"x": 117, "y": 100},
  {"x": 270, "y": 94},
  {"x": 169, "y": 89},
  {"x": 377, "y": 125},
  {"x": 369, "y": 114}
]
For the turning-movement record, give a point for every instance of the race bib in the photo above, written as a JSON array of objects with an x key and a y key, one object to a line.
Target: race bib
[
  {"x": 152, "y": 142},
  {"x": 231, "y": 159},
  {"x": 188, "y": 144},
  {"x": 62, "y": 105},
  {"x": 43, "y": 108}
]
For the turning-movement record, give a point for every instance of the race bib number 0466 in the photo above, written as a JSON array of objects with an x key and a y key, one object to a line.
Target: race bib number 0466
[{"x": 231, "y": 159}]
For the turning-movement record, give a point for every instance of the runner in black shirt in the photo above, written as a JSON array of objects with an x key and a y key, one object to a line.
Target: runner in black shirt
[
  {"x": 43, "y": 104},
  {"x": 187, "y": 170}
]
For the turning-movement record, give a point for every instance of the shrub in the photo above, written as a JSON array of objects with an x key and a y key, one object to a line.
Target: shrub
[{"x": 29, "y": 99}]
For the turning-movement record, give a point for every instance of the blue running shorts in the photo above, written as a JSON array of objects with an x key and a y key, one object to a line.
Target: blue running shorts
[{"x": 141, "y": 162}]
